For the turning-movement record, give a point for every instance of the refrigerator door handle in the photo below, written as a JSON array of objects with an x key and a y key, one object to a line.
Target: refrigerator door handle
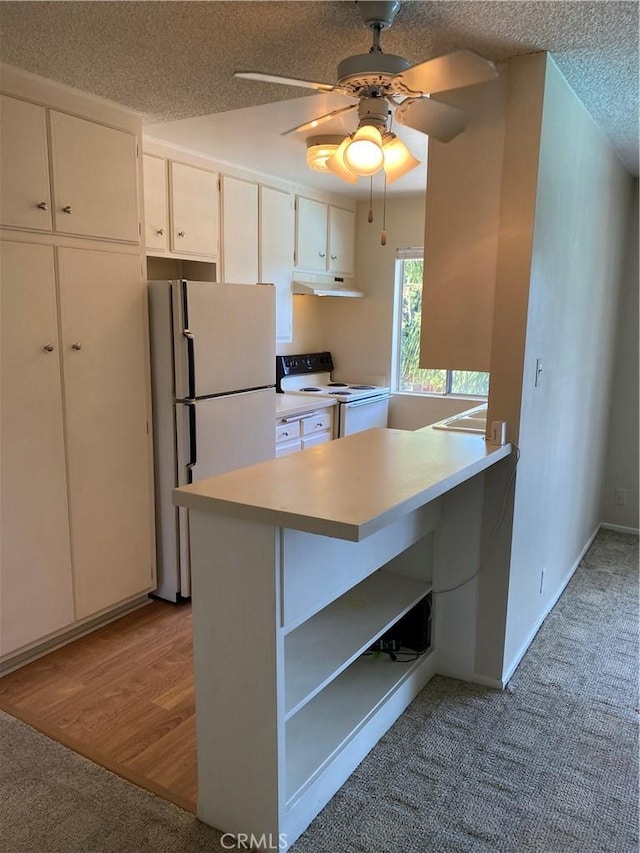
[
  {"x": 193, "y": 449},
  {"x": 191, "y": 361}
]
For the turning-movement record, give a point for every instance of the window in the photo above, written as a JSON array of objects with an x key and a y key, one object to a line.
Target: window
[{"x": 409, "y": 377}]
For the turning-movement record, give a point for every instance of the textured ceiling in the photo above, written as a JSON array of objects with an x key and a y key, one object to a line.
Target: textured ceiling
[{"x": 174, "y": 60}]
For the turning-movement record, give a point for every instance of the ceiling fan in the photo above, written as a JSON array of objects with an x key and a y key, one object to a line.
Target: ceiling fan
[{"x": 387, "y": 87}]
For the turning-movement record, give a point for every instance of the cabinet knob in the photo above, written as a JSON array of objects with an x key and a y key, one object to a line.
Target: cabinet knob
[
  {"x": 42, "y": 205},
  {"x": 160, "y": 231},
  {"x": 48, "y": 347},
  {"x": 76, "y": 346},
  {"x": 285, "y": 434},
  {"x": 66, "y": 208},
  {"x": 181, "y": 233},
  {"x": 334, "y": 257},
  {"x": 322, "y": 254}
]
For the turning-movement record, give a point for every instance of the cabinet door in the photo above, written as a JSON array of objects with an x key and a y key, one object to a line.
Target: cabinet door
[
  {"x": 36, "y": 596},
  {"x": 342, "y": 229},
  {"x": 276, "y": 254},
  {"x": 239, "y": 231},
  {"x": 104, "y": 347},
  {"x": 311, "y": 234},
  {"x": 194, "y": 211},
  {"x": 25, "y": 200},
  {"x": 156, "y": 207},
  {"x": 95, "y": 183}
]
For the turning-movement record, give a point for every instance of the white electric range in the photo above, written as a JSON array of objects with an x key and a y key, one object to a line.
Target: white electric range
[{"x": 359, "y": 406}]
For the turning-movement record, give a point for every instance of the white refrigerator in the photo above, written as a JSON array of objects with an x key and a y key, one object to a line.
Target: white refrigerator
[{"x": 213, "y": 383}]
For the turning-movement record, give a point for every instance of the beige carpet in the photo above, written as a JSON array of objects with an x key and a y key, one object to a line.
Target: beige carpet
[{"x": 549, "y": 765}]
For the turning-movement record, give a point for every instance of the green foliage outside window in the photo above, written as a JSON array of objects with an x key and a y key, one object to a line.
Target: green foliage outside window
[{"x": 411, "y": 376}]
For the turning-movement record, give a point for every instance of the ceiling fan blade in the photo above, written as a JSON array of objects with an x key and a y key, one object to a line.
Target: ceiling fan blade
[
  {"x": 287, "y": 81},
  {"x": 441, "y": 121},
  {"x": 309, "y": 125},
  {"x": 451, "y": 71}
]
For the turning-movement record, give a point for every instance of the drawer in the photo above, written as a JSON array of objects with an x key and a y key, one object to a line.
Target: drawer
[
  {"x": 316, "y": 438},
  {"x": 287, "y": 431},
  {"x": 287, "y": 447},
  {"x": 317, "y": 422}
]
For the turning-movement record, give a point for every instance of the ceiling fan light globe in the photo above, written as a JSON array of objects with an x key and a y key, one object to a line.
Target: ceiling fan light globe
[
  {"x": 337, "y": 166},
  {"x": 363, "y": 153},
  {"x": 398, "y": 160}
]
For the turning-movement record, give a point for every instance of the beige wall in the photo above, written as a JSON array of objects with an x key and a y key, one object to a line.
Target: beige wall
[
  {"x": 560, "y": 257},
  {"x": 622, "y": 454}
]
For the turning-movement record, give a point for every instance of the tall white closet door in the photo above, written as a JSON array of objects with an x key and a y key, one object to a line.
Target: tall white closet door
[
  {"x": 276, "y": 253},
  {"x": 36, "y": 596},
  {"x": 104, "y": 345}
]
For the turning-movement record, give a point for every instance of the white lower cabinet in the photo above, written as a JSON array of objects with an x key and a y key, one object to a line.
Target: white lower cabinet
[
  {"x": 297, "y": 432},
  {"x": 315, "y": 702},
  {"x": 77, "y": 525}
]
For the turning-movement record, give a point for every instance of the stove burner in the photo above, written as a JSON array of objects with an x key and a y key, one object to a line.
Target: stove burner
[
  {"x": 337, "y": 385},
  {"x": 309, "y": 389},
  {"x": 340, "y": 393},
  {"x": 362, "y": 387}
]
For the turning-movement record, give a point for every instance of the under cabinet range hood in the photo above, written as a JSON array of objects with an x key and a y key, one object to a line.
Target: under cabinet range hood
[{"x": 314, "y": 284}]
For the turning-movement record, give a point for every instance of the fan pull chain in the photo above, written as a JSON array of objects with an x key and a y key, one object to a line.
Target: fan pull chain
[
  {"x": 370, "y": 217},
  {"x": 383, "y": 233}
]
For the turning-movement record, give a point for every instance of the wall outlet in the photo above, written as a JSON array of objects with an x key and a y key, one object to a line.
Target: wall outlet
[
  {"x": 620, "y": 497},
  {"x": 498, "y": 432},
  {"x": 542, "y": 581},
  {"x": 538, "y": 379}
]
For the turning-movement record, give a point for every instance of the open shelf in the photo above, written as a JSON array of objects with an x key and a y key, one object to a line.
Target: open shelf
[
  {"x": 334, "y": 717},
  {"x": 321, "y": 648}
]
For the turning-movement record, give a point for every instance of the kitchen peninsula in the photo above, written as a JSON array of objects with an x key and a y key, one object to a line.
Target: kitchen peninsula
[{"x": 299, "y": 564}]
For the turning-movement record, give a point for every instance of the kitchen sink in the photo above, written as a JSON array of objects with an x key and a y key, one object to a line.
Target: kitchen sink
[{"x": 473, "y": 420}]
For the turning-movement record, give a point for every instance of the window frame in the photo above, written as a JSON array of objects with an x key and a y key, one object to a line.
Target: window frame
[{"x": 413, "y": 253}]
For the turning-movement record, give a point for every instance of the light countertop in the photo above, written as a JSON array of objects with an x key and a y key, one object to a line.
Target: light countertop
[
  {"x": 348, "y": 488},
  {"x": 288, "y": 405}
]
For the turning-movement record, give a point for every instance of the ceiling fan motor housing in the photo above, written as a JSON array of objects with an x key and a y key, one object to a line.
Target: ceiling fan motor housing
[{"x": 367, "y": 72}]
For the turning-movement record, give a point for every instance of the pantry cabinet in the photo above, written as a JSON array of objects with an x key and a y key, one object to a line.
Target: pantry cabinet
[
  {"x": 77, "y": 535},
  {"x": 258, "y": 240},
  {"x": 240, "y": 226},
  {"x": 325, "y": 237},
  {"x": 276, "y": 253},
  {"x": 36, "y": 585},
  {"x": 92, "y": 178},
  {"x": 194, "y": 211}
]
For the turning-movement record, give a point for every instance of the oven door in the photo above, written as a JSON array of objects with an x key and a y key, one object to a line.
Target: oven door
[{"x": 362, "y": 414}]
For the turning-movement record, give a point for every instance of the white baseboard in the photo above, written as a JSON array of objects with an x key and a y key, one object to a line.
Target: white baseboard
[
  {"x": 619, "y": 528},
  {"x": 507, "y": 672}
]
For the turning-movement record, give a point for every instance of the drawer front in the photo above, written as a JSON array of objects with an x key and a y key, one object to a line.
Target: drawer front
[
  {"x": 316, "y": 438},
  {"x": 287, "y": 431},
  {"x": 317, "y": 422},
  {"x": 287, "y": 447}
]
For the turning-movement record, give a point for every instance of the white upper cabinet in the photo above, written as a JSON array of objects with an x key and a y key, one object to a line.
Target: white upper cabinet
[
  {"x": 311, "y": 234},
  {"x": 156, "y": 203},
  {"x": 25, "y": 198},
  {"x": 239, "y": 231},
  {"x": 341, "y": 248},
  {"x": 276, "y": 254},
  {"x": 94, "y": 176},
  {"x": 194, "y": 211},
  {"x": 325, "y": 237}
]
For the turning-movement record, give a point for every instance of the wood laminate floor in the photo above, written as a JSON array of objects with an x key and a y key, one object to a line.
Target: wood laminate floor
[{"x": 122, "y": 696}]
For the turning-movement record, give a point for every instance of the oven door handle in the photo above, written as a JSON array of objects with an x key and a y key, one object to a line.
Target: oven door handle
[{"x": 367, "y": 401}]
